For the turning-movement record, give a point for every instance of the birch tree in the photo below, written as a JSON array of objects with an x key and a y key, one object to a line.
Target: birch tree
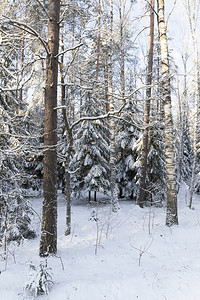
[
  {"x": 172, "y": 216},
  {"x": 113, "y": 186},
  {"x": 192, "y": 16}
]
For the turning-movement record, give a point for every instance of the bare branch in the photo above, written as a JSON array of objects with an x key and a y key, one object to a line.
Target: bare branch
[
  {"x": 171, "y": 12},
  {"x": 140, "y": 33},
  {"x": 43, "y": 8},
  {"x": 155, "y": 12}
]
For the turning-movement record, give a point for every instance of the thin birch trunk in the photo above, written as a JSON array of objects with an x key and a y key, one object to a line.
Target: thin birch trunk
[
  {"x": 180, "y": 154},
  {"x": 192, "y": 18},
  {"x": 122, "y": 62},
  {"x": 106, "y": 82},
  {"x": 98, "y": 39},
  {"x": 113, "y": 187},
  {"x": 171, "y": 215},
  {"x": 22, "y": 67},
  {"x": 19, "y": 93},
  {"x": 71, "y": 75},
  {"x": 143, "y": 169},
  {"x": 67, "y": 185},
  {"x": 70, "y": 144},
  {"x": 5, "y": 230}
]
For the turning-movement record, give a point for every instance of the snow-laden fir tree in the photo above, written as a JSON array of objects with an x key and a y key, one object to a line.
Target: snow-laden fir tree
[
  {"x": 40, "y": 280},
  {"x": 91, "y": 157},
  {"x": 128, "y": 145},
  {"x": 14, "y": 209},
  {"x": 156, "y": 172}
]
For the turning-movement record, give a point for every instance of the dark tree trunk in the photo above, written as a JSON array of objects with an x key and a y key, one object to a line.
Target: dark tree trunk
[
  {"x": 142, "y": 190},
  {"x": 95, "y": 196},
  {"x": 89, "y": 197},
  {"x": 48, "y": 240}
]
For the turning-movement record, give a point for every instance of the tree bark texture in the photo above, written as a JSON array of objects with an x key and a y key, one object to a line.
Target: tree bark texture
[
  {"x": 196, "y": 132},
  {"x": 48, "y": 241},
  {"x": 122, "y": 60},
  {"x": 113, "y": 187},
  {"x": 143, "y": 168},
  {"x": 171, "y": 216},
  {"x": 69, "y": 141}
]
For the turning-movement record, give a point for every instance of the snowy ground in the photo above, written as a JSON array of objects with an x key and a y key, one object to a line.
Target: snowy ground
[{"x": 137, "y": 257}]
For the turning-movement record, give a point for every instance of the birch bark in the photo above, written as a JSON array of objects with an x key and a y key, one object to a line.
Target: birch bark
[
  {"x": 196, "y": 135},
  {"x": 171, "y": 215},
  {"x": 113, "y": 187}
]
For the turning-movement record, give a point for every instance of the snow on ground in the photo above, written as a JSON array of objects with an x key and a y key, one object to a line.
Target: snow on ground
[{"x": 137, "y": 257}]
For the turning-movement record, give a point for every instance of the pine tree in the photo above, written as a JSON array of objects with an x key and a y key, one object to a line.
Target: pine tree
[{"x": 48, "y": 240}]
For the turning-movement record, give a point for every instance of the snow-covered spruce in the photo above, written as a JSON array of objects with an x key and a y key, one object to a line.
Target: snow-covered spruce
[{"x": 40, "y": 279}]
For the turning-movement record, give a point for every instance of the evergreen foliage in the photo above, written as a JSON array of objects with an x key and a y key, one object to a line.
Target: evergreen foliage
[
  {"x": 127, "y": 149},
  {"x": 91, "y": 156},
  {"x": 40, "y": 279}
]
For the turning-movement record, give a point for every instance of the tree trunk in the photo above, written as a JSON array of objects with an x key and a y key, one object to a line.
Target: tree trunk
[
  {"x": 72, "y": 69},
  {"x": 48, "y": 240},
  {"x": 113, "y": 187},
  {"x": 67, "y": 184},
  {"x": 70, "y": 143},
  {"x": 106, "y": 80},
  {"x": 22, "y": 66},
  {"x": 122, "y": 60},
  {"x": 89, "y": 197},
  {"x": 143, "y": 169},
  {"x": 196, "y": 133},
  {"x": 95, "y": 196},
  {"x": 172, "y": 216},
  {"x": 98, "y": 39}
]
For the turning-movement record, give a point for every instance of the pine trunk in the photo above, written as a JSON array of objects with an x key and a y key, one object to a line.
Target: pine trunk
[
  {"x": 48, "y": 240},
  {"x": 172, "y": 216}
]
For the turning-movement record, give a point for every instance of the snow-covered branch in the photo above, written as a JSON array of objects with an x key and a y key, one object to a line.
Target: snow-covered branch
[
  {"x": 69, "y": 49},
  {"x": 27, "y": 28},
  {"x": 18, "y": 87},
  {"x": 107, "y": 115}
]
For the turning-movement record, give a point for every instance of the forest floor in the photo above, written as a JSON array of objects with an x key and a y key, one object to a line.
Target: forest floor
[{"x": 123, "y": 256}]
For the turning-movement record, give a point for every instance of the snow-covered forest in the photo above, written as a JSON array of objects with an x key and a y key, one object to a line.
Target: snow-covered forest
[{"x": 100, "y": 143}]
